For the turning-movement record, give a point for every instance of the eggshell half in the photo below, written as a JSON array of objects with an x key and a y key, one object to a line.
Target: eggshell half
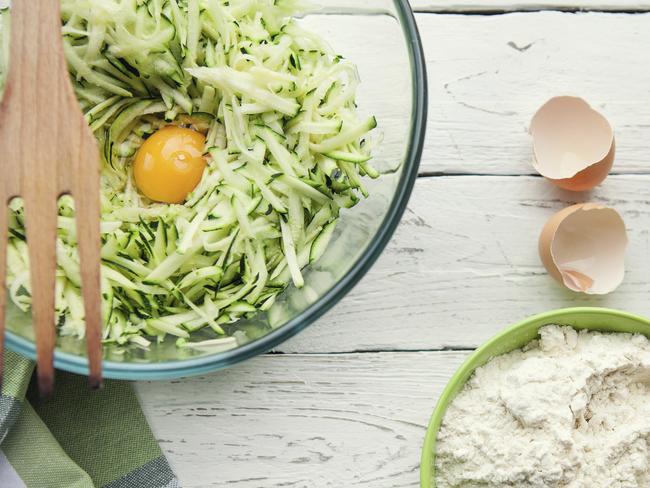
[
  {"x": 573, "y": 144},
  {"x": 583, "y": 247}
]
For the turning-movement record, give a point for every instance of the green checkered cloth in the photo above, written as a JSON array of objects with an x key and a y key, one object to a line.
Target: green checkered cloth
[{"x": 77, "y": 439}]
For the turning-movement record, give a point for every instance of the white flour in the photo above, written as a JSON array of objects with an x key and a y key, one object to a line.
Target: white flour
[{"x": 571, "y": 410}]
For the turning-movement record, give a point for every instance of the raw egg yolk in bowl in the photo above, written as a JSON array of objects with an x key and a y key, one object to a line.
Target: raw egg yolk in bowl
[{"x": 170, "y": 164}]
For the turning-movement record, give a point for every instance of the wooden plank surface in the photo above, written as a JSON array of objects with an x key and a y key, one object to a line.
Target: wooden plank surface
[
  {"x": 340, "y": 411},
  {"x": 456, "y": 6},
  {"x": 464, "y": 264},
  {"x": 489, "y": 74},
  {"x": 301, "y": 421}
]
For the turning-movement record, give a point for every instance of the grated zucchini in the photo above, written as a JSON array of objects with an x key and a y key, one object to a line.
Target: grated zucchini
[{"x": 286, "y": 151}]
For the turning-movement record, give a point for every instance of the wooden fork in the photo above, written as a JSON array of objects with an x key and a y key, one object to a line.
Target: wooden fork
[{"x": 47, "y": 150}]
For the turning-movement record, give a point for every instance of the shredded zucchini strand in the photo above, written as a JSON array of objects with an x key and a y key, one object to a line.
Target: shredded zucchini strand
[{"x": 286, "y": 151}]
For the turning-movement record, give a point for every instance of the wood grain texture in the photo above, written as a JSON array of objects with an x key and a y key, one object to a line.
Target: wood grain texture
[
  {"x": 35, "y": 81},
  {"x": 456, "y": 6},
  {"x": 38, "y": 100},
  {"x": 463, "y": 264},
  {"x": 489, "y": 74},
  {"x": 301, "y": 421}
]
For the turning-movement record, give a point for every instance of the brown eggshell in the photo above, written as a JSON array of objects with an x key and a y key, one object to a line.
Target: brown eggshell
[
  {"x": 573, "y": 144},
  {"x": 591, "y": 177},
  {"x": 583, "y": 247}
]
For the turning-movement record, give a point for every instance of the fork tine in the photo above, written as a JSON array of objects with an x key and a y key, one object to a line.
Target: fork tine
[
  {"x": 87, "y": 209},
  {"x": 41, "y": 213},
  {"x": 4, "y": 214}
]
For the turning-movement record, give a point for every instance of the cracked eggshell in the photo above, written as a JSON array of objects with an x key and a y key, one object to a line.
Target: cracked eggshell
[
  {"x": 583, "y": 247},
  {"x": 573, "y": 144}
]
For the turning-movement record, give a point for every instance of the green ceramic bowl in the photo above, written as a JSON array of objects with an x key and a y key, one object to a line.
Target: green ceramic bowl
[{"x": 512, "y": 338}]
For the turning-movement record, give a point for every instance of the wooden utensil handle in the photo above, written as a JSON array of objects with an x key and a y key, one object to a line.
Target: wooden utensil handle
[{"x": 36, "y": 43}]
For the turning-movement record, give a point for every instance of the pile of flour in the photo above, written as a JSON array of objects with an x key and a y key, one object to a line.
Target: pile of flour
[{"x": 571, "y": 410}]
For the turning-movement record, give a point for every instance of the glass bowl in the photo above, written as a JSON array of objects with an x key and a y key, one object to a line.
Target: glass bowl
[{"x": 381, "y": 37}]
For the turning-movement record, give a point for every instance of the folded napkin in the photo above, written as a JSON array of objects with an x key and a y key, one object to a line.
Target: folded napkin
[{"x": 78, "y": 438}]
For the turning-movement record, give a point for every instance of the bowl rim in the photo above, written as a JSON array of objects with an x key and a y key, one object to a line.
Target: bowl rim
[
  {"x": 190, "y": 367},
  {"x": 468, "y": 366}
]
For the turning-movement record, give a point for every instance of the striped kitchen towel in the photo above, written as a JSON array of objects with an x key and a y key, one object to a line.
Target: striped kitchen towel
[{"x": 78, "y": 438}]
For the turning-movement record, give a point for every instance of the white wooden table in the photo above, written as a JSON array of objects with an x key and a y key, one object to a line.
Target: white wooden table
[{"x": 346, "y": 402}]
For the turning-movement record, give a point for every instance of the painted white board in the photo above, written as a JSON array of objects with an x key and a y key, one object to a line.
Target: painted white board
[
  {"x": 328, "y": 421},
  {"x": 489, "y": 74},
  {"x": 463, "y": 264}
]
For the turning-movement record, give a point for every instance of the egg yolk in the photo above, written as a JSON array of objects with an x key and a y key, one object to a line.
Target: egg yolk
[{"x": 170, "y": 164}]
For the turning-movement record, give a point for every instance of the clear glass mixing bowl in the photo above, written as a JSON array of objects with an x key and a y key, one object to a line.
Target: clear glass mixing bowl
[{"x": 381, "y": 37}]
